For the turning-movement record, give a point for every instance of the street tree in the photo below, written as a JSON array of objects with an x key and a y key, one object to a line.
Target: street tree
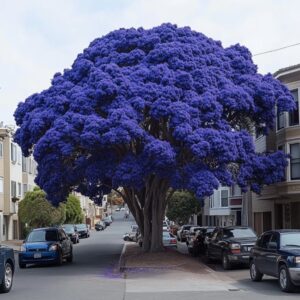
[
  {"x": 36, "y": 211},
  {"x": 153, "y": 110},
  {"x": 74, "y": 213},
  {"x": 181, "y": 206}
]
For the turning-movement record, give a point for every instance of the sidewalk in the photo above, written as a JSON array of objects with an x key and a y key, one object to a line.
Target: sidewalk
[
  {"x": 14, "y": 244},
  {"x": 169, "y": 271}
]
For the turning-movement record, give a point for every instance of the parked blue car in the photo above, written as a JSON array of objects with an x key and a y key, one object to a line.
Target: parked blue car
[
  {"x": 277, "y": 253},
  {"x": 46, "y": 246},
  {"x": 7, "y": 268}
]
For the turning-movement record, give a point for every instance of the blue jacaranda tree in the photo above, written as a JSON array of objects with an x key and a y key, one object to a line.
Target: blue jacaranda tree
[{"x": 152, "y": 111}]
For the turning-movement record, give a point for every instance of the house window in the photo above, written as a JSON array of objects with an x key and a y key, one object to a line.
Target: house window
[
  {"x": 295, "y": 161},
  {"x": 19, "y": 189},
  {"x": 1, "y": 184},
  {"x": 13, "y": 153},
  {"x": 280, "y": 120},
  {"x": 19, "y": 157},
  {"x": 24, "y": 164},
  {"x": 24, "y": 189},
  {"x": 13, "y": 189},
  {"x": 224, "y": 198},
  {"x": 294, "y": 115},
  {"x": 1, "y": 149},
  {"x": 30, "y": 166}
]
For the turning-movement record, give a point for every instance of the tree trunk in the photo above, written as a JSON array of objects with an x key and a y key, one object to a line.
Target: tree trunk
[{"x": 149, "y": 211}]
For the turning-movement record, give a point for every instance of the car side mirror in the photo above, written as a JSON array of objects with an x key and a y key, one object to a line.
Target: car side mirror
[{"x": 272, "y": 246}]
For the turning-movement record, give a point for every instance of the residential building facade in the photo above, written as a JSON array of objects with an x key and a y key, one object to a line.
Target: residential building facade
[
  {"x": 14, "y": 182},
  {"x": 278, "y": 206},
  {"x": 224, "y": 207},
  {"x": 92, "y": 212}
]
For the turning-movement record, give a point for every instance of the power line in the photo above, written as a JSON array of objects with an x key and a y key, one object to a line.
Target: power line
[{"x": 278, "y": 49}]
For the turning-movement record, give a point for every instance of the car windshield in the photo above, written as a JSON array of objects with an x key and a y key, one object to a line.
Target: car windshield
[
  {"x": 42, "y": 236},
  {"x": 290, "y": 239},
  {"x": 81, "y": 226},
  {"x": 68, "y": 228},
  {"x": 238, "y": 233}
]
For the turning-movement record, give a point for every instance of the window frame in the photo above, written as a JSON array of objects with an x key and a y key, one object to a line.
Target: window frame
[
  {"x": 13, "y": 188},
  {"x": 221, "y": 198},
  {"x": 291, "y": 113},
  {"x": 13, "y": 153},
  {"x": 290, "y": 161}
]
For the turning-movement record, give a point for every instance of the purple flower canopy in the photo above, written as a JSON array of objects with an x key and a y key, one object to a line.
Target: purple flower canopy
[{"x": 167, "y": 101}]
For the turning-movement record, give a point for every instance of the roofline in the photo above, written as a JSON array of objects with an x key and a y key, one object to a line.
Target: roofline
[{"x": 286, "y": 71}]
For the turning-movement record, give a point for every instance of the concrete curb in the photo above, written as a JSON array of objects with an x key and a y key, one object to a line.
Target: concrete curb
[{"x": 121, "y": 265}]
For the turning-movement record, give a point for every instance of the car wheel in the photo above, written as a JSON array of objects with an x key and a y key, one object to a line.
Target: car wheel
[
  {"x": 6, "y": 285},
  {"x": 255, "y": 274},
  {"x": 70, "y": 257},
  {"x": 284, "y": 279},
  {"x": 225, "y": 262},
  {"x": 126, "y": 239}
]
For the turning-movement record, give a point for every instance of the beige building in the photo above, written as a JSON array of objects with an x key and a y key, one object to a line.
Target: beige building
[
  {"x": 278, "y": 206},
  {"x": 223, "y": 208},
  {"x": 91, "y": 211},
  {"x": 15, "y": 180}
]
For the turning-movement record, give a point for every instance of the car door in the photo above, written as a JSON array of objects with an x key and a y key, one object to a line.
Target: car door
[
  {"x": 214, "y": 243},
  {"x": 272, "y": 254},
  {"x": 261, "y": 252}
]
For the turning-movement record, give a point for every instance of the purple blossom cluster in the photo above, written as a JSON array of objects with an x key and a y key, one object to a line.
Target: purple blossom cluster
[{"x": 167, "y": 101}]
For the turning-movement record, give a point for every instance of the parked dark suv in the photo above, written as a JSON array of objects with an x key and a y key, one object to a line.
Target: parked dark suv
[
  {"x": 231, "y": 245},
  {"x": 7, "y": 267},
  {"x": 277, "y": 253}
]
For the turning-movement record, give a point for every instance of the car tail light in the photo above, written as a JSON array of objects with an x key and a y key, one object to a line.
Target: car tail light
[
  {"x": 235, "y": 248},
  {"x": 173, "y": 241},
  {"x": 235, "y": 251}
]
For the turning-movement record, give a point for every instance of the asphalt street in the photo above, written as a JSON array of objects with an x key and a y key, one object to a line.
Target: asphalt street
[{"x": 94, "y": 275}]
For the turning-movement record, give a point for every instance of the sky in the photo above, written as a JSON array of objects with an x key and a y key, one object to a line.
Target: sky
[{"x": 39, "y": 38}]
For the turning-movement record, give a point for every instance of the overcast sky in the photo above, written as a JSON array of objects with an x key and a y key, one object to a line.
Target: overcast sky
[{"x": 39, "y": 38}]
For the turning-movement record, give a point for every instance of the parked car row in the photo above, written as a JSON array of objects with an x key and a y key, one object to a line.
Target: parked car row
[
  {"x": 101, "y": 225},
  {"x": 275, "y": 253}
]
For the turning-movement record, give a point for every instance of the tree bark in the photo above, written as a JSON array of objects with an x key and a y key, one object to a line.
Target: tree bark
[{"x": 149, "y": 211}]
